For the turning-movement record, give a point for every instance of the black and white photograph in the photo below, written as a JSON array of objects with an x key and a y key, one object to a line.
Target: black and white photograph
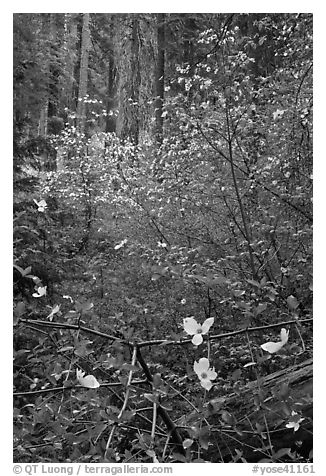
[{"x": 162, "y": 241}]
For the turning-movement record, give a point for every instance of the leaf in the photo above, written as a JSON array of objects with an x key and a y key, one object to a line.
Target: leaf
[
  {"x": 250, "y": 364},
  {"x": 152, "y": 454},
  {"x": 262, "y": 40},
  {"x": 260, "y": 428},
  {"x": 228, "y": 418},
  {"x": 179, "y": 457},
  {"x": 151, "y": 397},
  {"x": 281, "y": 452},
  {"x": 238, "y": 292},
  {"x": 121, "y": 244},
  {"x": 66, "y": 348},
  {"x": 254, "y": 283},
  {"x": 204, "y": 437},
  {"x": 260, "y": 308},
  {"x": 82, "y": 351},
  {"x": 84, "y": 306},
  {"x": 20, "y": 309},
  {"x": 215, "y": 405},
  {"x": 157, "y": 381},
  {"x": 19, "y": 269},
  {"x": 284, "y": 391},
  {"x": 292, "y": 302},
  {"x": 187, "y": 443},
  {"x": 27, "y": 271},
  {"x": 236, "y": 374}
]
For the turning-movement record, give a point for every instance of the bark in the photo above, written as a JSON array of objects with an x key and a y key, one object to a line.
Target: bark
[
  {"x": 159, "y": 77},
  {"x": 83, "y": 74},
  {"x": 111, "y": 102},
  {"x": 110, "y": 125},
  {"x": 129, "y": 79},
  {"x": 70, "y": 54},
  {"x": 48, "y": 25}
]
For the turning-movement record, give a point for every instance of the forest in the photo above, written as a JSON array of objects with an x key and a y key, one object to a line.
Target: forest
[{"x": 162, "y": 238}]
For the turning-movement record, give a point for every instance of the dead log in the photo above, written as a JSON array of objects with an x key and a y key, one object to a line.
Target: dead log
[{"x": 252, "y": 421}]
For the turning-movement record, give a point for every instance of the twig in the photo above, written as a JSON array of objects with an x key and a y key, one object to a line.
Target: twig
[
  {"x": 258, "y": 182},
  {"x": 70, "y": 387},
  {"x": 61, "y": 325},
  {"x": 153, "y": 424},
  {"x": 125, "y": 403},
  {"x": 227, "y": 334},
  {"x": 165, "y": 341},
  {"x": 175, "y": 435}
]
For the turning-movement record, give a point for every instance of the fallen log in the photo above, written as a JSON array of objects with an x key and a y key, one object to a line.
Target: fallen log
[{"x": 253, "y": 421}]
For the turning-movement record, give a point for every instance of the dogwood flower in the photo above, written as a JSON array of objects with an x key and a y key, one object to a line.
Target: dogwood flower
[
  {"x": 42, "y": 205},
  {"x": 273, "y": 347},
  {"x": 294, "y": 421},
  {"x": 41, "y": 291},
  {"x": 205, "y": 374},
  {"x": 192, "y": 327},
  {"x": 89, "y": 381},
  {"x": 54, "y": 310}
]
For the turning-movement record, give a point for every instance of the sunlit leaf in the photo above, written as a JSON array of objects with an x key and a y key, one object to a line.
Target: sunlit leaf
[
  {"x": 121, "y": 244},
  {"x": 187, "y": 443}
]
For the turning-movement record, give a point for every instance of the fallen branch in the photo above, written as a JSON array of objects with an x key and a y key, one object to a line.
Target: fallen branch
[
  {"x": 58, "y": 325},
  {"x": 261, "y": 410}
]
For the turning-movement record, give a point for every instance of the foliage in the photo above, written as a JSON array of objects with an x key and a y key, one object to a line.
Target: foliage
[{"x": 151, "y": 280}]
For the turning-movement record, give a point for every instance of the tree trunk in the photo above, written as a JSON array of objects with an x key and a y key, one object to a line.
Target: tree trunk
[
  {"x": 83, "y": 74},
  {"x": 48, "y": 25},
  {"x": 70, "y": 55},
  {"x": 159, "y": 78},
  {"x": 129, "y": 79}
]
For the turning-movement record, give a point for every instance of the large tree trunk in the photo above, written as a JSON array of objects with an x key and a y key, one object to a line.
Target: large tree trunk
[
  {"x": 110, "y": 123},
  {"x": 129, "y": 79},
  {"x": 267, "y": 405},
  {"x": 111, "y": 104},
  {"x": 159, "y": 78},
  {"x": 48, "y": 25},
  {"x": 70, "y": 55},
  {"x": 83, "y": 74}
]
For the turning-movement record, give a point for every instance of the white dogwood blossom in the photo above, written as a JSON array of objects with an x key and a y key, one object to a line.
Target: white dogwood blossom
[
  {"x": 205, "y": 374},
  {"x": 89, "y": 381},
  {"x": 192, "y": 327},
  {"x": 273, "y": 347}
]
